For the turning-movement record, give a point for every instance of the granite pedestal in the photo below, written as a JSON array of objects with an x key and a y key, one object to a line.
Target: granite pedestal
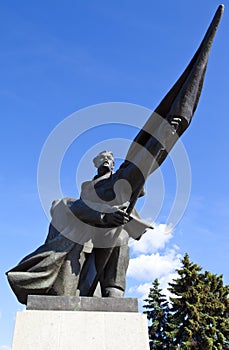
[{"x": 80, "y": 323}]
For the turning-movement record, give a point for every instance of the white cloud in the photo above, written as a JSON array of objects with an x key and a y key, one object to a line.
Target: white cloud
[
  {"x": 143, "y": 270},
  {"x": 148, "y": 267},
  {"x": 149, "y": 263},
  {"x": 141, "y": 289},
  {"x": 152, "y": 240},
  {"x": 5, "y": 347}
]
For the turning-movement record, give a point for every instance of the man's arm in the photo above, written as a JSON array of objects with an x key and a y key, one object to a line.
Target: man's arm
[{"x": 98, "y": 219}]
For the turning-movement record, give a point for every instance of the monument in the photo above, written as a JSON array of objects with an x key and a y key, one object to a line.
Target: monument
[{"x": 87, "y": 242}]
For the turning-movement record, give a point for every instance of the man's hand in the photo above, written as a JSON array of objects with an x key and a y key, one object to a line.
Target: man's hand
[
  {"x": 119, "y": 217},
  {"x": 179, "y": 124}
]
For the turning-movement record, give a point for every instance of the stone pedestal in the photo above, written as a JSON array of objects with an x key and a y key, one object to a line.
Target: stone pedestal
[{"x": 87, "y": 328}]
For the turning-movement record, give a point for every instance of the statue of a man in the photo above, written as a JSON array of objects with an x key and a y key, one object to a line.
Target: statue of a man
[
  {"x": 81, "y": 238},
  {"x": 113, "y": 276}
]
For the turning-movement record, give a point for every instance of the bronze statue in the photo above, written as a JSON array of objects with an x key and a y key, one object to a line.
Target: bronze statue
[
  {"x": 88, "y": 238},
  {"x": 80, "y": 239}
]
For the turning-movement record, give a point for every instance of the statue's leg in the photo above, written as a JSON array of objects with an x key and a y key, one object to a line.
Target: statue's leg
[
  {"x": 113, "y": 279},
  {"x": 87, "y": 273},
  {"x": 68, "y": 276}
]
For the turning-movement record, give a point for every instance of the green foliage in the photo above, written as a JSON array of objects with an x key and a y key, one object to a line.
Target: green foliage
[
  {"x": 157, "y": 310},
  {"x": 197, "y": 318}
]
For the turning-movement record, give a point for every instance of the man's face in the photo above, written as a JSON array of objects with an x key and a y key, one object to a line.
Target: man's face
[{"x": 105, "y": 159}]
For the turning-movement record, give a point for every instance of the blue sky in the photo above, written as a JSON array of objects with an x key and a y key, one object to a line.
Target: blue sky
[{"x": 60, "y": 57}]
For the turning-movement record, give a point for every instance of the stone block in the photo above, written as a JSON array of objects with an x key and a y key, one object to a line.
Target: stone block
[
  {"x": 72, "y": 303},
  {"x": 87, "y": 330}
]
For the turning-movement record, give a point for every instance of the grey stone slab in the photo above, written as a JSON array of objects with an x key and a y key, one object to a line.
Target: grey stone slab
[
  {"x": 72, "y": 303},
  {"x": 71, "y": 330}
]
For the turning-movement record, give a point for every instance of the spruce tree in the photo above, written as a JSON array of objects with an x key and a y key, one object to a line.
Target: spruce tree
[
  {"x": 198, "y": 318},
  {"x": 184, "y": 315},
  {"x": 214, "y": 326},
  {"x": 156, "y": 310}
]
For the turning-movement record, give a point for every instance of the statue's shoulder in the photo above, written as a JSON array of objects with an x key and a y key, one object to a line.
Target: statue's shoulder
[
  {"x": 57, "y": 203},
  {"x": 85, "y": 184}
]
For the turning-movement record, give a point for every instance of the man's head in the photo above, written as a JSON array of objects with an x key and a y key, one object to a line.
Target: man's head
[{"x": 104, "y": 159}]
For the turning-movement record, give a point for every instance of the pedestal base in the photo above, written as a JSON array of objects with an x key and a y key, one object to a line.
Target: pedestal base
[{"x": 81, "y": 330}]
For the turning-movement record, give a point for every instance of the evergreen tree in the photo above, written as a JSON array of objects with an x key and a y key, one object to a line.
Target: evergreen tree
[
  {"x": 198, "y": 318},
  {"x": 214, "y": 326},
  {"x": 184, "y": 315},
  {"x": 156, "y": 310}
]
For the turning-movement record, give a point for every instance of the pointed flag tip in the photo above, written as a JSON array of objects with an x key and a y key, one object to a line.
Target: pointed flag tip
[
  {"x": 221, "y": 7},
  {"x": 219, "y": 12}
]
